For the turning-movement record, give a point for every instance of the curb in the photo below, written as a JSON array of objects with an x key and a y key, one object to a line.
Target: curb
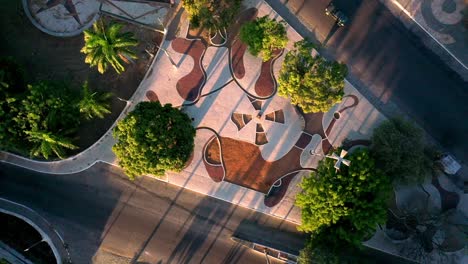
[
  {"x": 128, "y": 106},
  {"x": 47, "y": 232}
]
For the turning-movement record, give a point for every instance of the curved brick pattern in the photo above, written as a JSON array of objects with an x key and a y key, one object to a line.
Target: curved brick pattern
[
  {"x": 313, "y": 124},
  {"x": 189, "y": 86},
  {"x": 266, "y": 84},
  {"x": 237, "y": 59},
  {"x": 303, "y": 141},
  {"x": 330, "y": 127},
  {"x": 277, "y": 193},
  {"x": 152, "y": 96},
  {"x": 216, "y": 173},
  {"x": 354, "y": 104},
  {"x": 212, "y": 152},
  {"x": 327, "y": 147},
  {"x": 449, "y": 199}
]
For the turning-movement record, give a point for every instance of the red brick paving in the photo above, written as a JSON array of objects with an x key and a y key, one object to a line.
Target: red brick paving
[
  {"x": 276, "y": 197},
  {"x": 152, "y": 96},
  {"x": 237, "y": 59},
  {"x": 265, "y": 85},
  {"x": 355, "y": 102},
  {"x": 238, "y": 48},
  {"x": 313, "y": 124},
  {"x": 303, "y": 141},
  {"x": 449, "y": 200},
  {"x": 190, "y": 85},
  {"x": 216, "y": 173}
]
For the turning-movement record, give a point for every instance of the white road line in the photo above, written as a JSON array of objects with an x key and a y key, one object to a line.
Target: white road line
[{"x": 402, "y": 8}]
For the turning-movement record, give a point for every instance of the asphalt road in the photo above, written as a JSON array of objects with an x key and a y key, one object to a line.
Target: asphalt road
[
  {"x": 105, "y": 218},
  {"x": 390, "y": 61}
]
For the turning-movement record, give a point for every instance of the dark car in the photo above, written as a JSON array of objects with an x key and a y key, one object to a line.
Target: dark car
[{"x": 340, "y": 18}]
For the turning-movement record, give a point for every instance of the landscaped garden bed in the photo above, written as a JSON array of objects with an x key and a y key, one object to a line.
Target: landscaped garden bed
[{"x": 45, "y": 57}]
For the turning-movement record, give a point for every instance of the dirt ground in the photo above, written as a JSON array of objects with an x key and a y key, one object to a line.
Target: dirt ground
[{"x": 50, "y": 58}]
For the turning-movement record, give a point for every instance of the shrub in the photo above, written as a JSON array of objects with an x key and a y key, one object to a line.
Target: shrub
[
  {"x": 352, "y": 199},
  {"x": 153, "y": 139},
  {"x": 211, "y": 14},
  {"x": 399, "y": 150},
  {"x": 263, "y": 36},
  {"x": 312, "y": 83}
]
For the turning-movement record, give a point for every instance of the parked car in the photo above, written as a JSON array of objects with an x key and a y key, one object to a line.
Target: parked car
[{"x": 340, "y": 17}]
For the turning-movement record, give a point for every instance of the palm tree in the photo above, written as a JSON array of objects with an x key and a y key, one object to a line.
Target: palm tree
[
  {"x": 46, "y": 144},
  {"x": 94, "y": 104},
  {"x": 108, "y": 46}
]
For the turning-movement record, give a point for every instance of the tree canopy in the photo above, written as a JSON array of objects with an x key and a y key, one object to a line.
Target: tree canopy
[
  {"x": 40, "y": 120},
  {"x": 399, "y": 150},
  {"x": 153, "y": 139},
  {"x": 212, "y": 14},
  {"x": 352, "y": 199},
  {"x": 312, "y": 82},
  {"x": 263, "y": 36},
  {"x": 324, "y": 248},
  {"x": 107, "y": 45}
]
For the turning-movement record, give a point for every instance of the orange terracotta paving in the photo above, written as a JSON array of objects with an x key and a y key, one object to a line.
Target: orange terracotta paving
[{"x": 245, "y": 166}]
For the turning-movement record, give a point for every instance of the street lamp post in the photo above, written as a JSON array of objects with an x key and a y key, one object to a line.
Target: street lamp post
[{"x": 35, "y": 244}]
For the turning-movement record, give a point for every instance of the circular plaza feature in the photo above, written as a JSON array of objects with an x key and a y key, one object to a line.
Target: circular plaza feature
[{"x": 62, "y": 18}]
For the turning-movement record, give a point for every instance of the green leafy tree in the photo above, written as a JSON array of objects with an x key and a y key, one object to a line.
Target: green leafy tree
[
  {"x": 312, "y": 83},
  {"x": 399, "y": 150},
  {"x": 324, "y": 248},
  {"x": 352, "y": 199},
  {"x": 47, "y": 143},
  {"x": 211, "y": 14},
  {"x": 107, "y": 45},
  {"x": 45, "y": 107},
  {"x": 48, "y": 106},
  {"x": 153, "y": 139},
  {"x": 263, "y": 36},
  {"x": 93, "y": 104}
]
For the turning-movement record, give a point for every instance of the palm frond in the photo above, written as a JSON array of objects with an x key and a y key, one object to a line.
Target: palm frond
[{"x": 104, "y": 47}]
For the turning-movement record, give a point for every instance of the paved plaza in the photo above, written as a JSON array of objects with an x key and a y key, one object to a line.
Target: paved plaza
[{"x": 252, "y": 147}]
